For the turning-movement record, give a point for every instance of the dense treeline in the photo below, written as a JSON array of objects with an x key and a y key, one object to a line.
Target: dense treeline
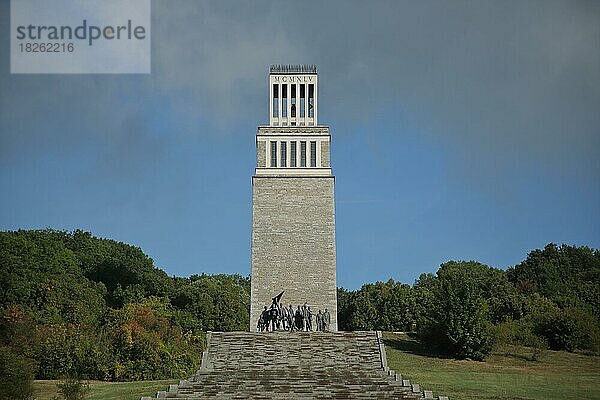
[
  {"x": 550, "y": 300},
  {"x": 76, "y": 305}
]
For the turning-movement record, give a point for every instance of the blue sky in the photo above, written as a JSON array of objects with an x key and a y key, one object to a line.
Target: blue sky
[{"x": 461, "y": 130}]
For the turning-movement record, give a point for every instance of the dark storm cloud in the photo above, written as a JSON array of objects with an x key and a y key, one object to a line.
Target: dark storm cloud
[
  {"x": 499, "y": 74},
  {"x": 505, "y": 84}
]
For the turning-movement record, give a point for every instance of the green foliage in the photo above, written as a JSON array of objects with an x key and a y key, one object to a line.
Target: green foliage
[
  {"x": 73, "y": 389},
  {"x": 568, "y": 329},
  {"x": 549, "y": 300},
  {"x": 380, "y": 306},
  {"x": 344, "y": 308},
  {"x": 509, "y": 335},
  {"x": 16, "y": 375},
  {"x": 136, "y": 342},
  {"x": 128, "y": 274},
  {"x": 99, "y": 309},
  {"x": 562, "y": 285},
  {"x": 424, "y": 294},
  {"x": 567, "y": 275},
  {"x": 145, "y": 345},
  {"x": 39, "y": 274},
  {"x": 70, "y": 350},
  {"x": 457, "y": 322},
  {"x": 505, "y": 303},
  {"x": 220, "y": 301}
]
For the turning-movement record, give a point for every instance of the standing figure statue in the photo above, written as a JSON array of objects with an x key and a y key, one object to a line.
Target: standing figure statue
[
  {"x": 290, "y": 314},
  {"x": 263, "y": 321},
  {"x": 276, "y": 312},
  {"x": 274, "y": 317},
  {"x": 284, "y": 318},
  {"x": 304, "y": 317},
  {"x": 299, "y": 319},
  {"x": 326, "y": 320},
  {"x": 309, "y": 319},
  {"x": 319, "y": 320}
]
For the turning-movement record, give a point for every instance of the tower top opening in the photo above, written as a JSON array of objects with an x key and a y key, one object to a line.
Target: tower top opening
[
  {"x": 293, "y": 95},
  {"x": 293, "y": 69}
]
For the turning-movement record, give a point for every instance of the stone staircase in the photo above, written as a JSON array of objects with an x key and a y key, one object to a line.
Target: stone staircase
[{"x": 299, "y": 365}]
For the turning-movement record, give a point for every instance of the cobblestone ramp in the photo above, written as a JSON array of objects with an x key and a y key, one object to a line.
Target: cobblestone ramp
[{"x": 300, "y": 365}]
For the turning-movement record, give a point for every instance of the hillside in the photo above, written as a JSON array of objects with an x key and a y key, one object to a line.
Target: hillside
[
  {"x": 79, "y": 305},
  {"x": 509, "y": 373},
  {"x": 74, "y": 304}
]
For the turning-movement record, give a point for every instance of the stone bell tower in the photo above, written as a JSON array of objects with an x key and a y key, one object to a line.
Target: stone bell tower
[{"x": 293, "y": 213}]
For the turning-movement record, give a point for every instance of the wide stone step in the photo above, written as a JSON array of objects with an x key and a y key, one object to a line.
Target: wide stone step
[
  {"x": 276, "y": 350},
  {"x": 298, "y": 365},
  {"x": 306, "y": 384}
]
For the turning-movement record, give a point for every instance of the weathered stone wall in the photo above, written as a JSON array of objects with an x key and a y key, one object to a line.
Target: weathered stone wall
[
  {"x": 293, "y": 244},
  {"x": 325, "y": 155},
  {"x": 261, "y": 154}
]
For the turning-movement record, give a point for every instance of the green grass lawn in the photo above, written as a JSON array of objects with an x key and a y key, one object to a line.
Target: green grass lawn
[
  {"x": 506, "y": 375},
  {"x": 46, "y": 390}
]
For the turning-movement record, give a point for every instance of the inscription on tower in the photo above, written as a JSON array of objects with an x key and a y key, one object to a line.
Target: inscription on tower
[{"x": 293, "y": 212}]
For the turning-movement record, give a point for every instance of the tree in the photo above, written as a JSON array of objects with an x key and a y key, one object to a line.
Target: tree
[
  {"x": 17, "y": 375},
  {"x": 344, "y": 304},
  {"x": 378, "y": 306},
  {"x": 219, "y": 302},
  {"x": 457, "y": 320},
  {"x": 567, "y": 275}
]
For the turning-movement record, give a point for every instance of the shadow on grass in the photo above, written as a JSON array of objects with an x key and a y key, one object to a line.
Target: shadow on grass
[
  {"x": 530, "y": 354},
  {"x": 409, "y": 345}
]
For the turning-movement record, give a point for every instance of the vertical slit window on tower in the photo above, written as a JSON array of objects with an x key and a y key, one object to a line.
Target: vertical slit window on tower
[
  {"x": 313, "y": 154},
  {"x": 311, "y": 101},
  {"x": 302, "y": 100},
  {"x": 292, "y": 154},
  {"x": 293, "y": 98},
  {"x": 275, "y": 101},
  {"x": 284, "y": 101},
  {"x": 273, "y": 154},
  {"x": 302, "y": 154},
  {"x": 283, "y": 154}
]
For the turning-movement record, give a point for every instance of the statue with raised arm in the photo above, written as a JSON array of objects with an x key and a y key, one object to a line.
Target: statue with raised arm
[{"x": 275, "y": 312}]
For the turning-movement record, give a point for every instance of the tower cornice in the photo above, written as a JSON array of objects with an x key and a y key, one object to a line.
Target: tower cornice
[
  {"x": 292, "y": 130},
  {"x": 292, "y": 69}
]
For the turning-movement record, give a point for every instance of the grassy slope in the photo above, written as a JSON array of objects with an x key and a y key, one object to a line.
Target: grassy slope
[
  {"x": 504, "y": 376},
  {"x": 46, "y": 390}
]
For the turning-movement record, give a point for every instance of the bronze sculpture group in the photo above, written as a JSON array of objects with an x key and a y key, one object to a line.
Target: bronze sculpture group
[{"x": 278, "y": 317}]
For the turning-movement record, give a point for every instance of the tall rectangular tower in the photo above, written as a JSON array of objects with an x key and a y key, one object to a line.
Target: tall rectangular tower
[{"x": 293, "y": 213}]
